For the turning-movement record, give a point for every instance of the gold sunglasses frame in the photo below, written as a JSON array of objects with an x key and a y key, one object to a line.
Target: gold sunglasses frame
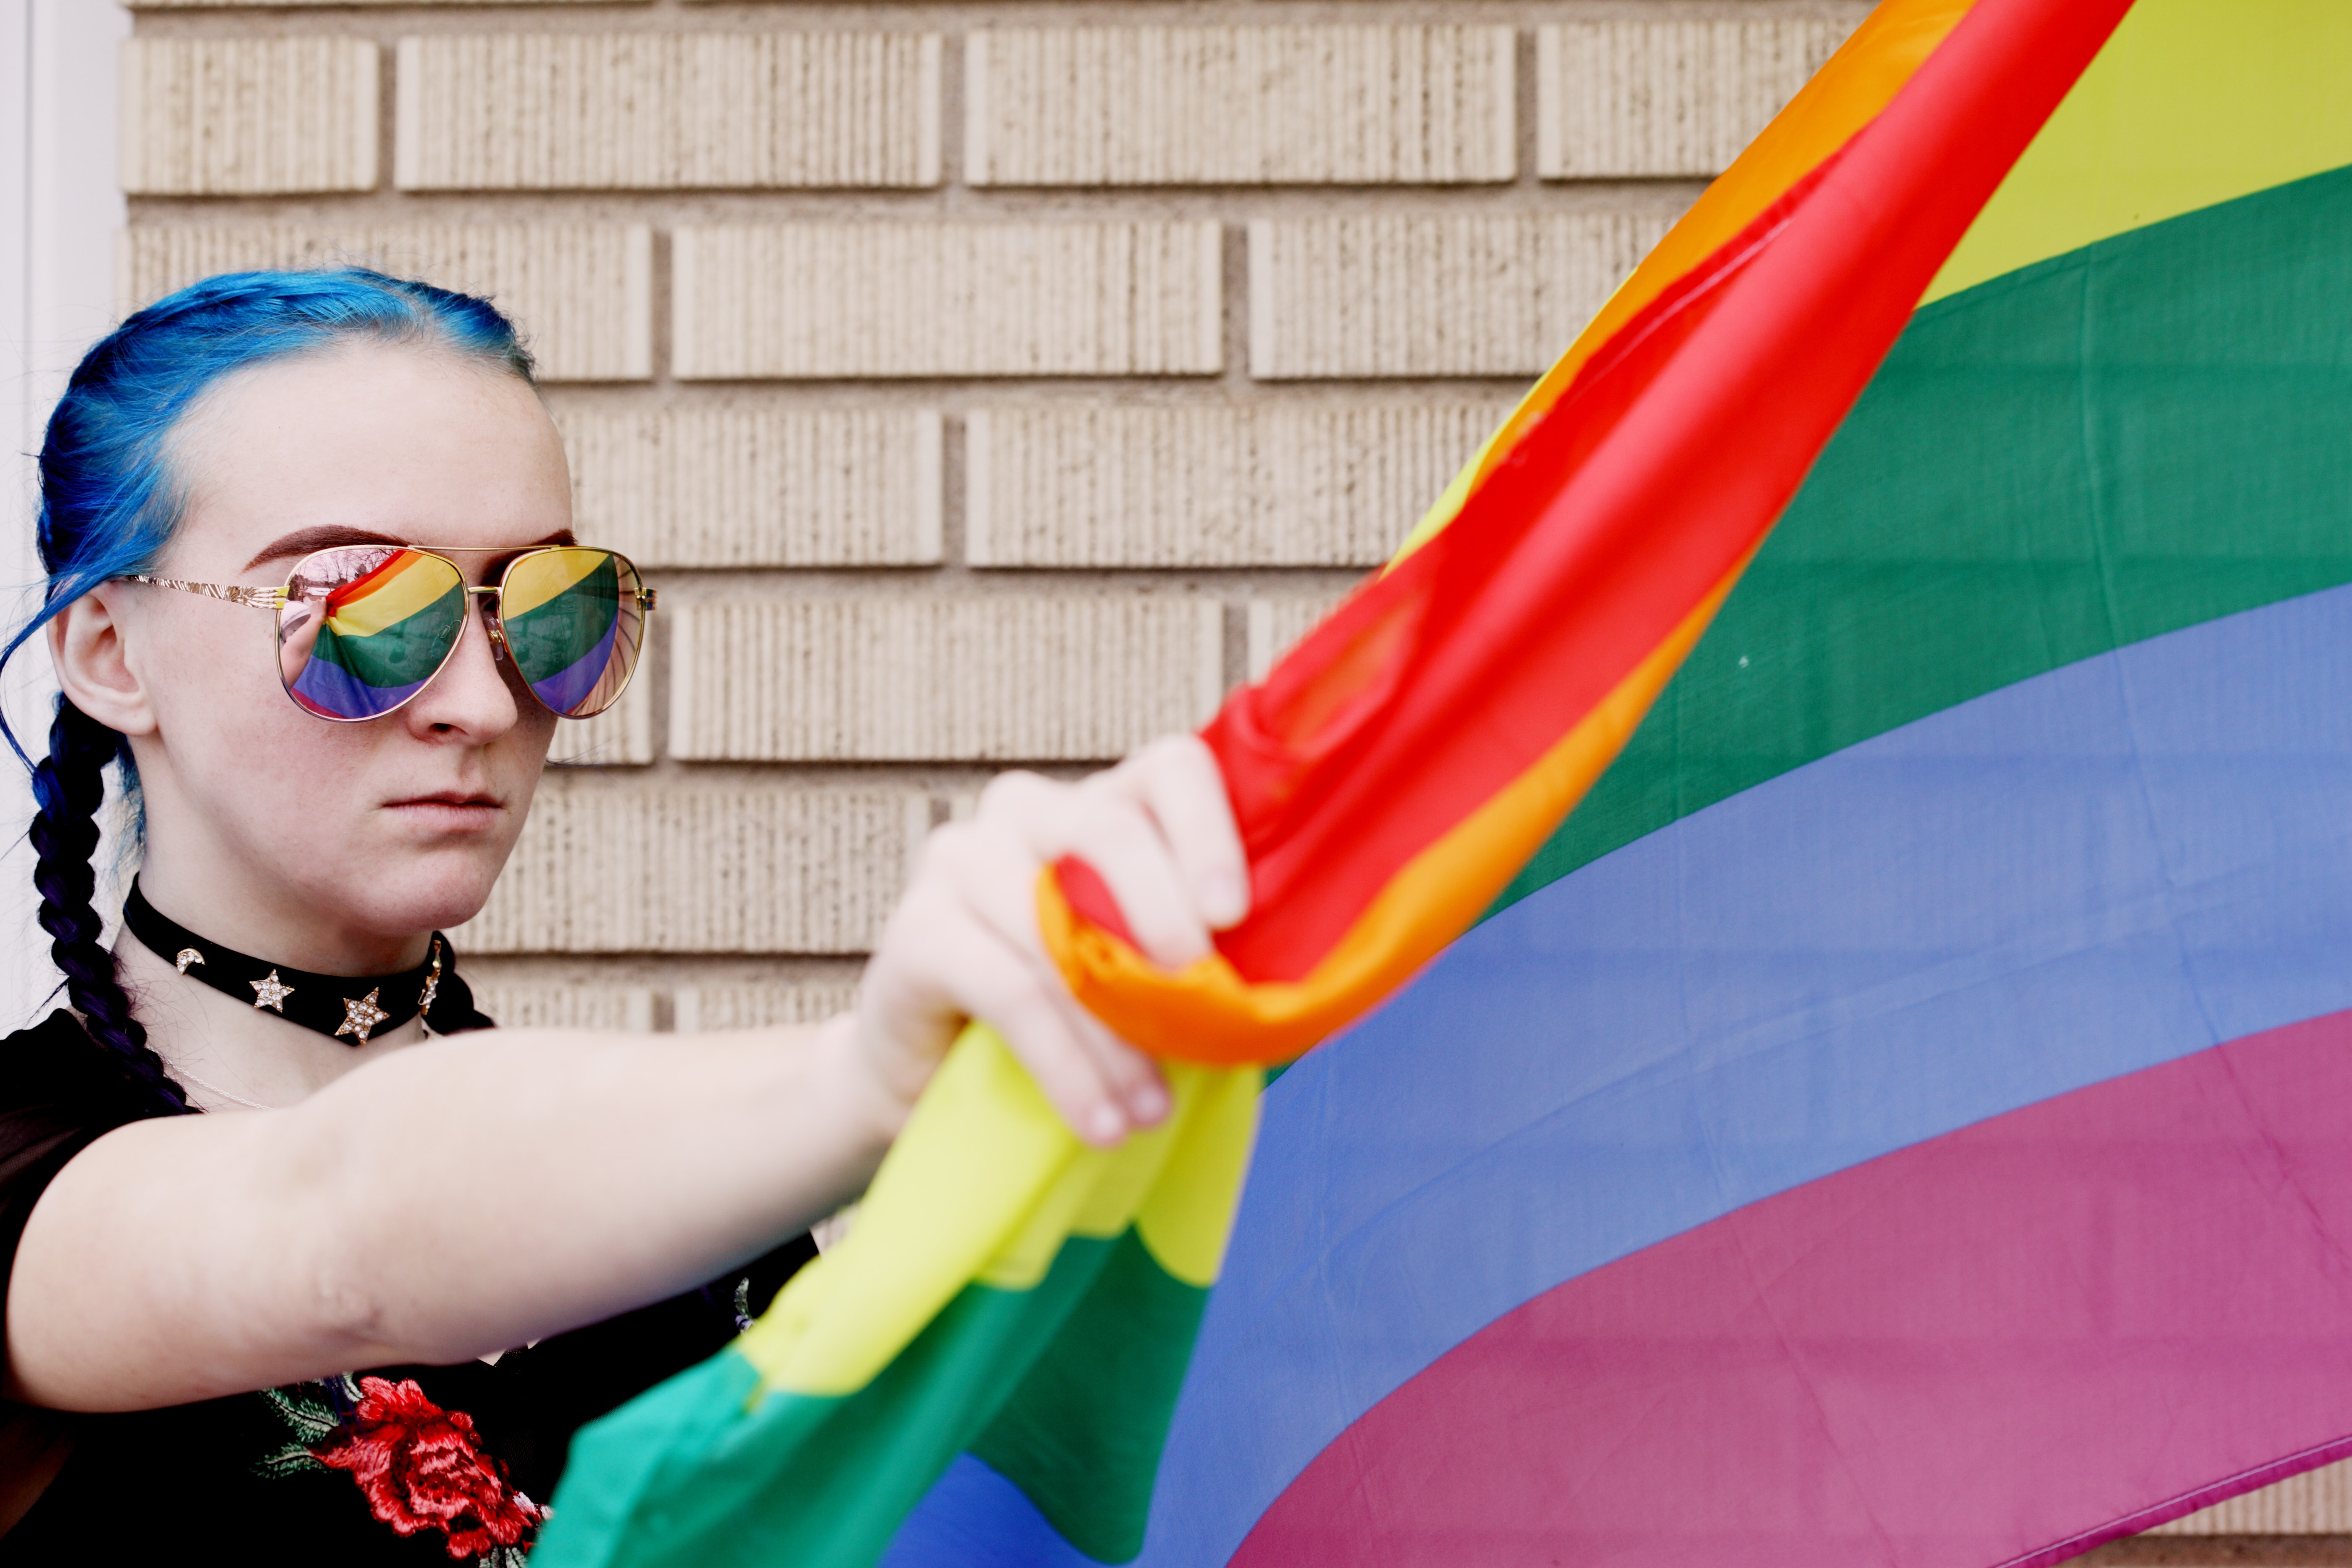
[{"x": 276, "y": 599}]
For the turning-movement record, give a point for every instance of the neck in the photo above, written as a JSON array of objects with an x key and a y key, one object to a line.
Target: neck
[
  {"x": 297, "y": 934},
  {"x": 248, "y": 1052}
]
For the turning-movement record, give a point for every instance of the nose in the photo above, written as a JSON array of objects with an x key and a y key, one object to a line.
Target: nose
[{"x": 471, "y": 700}]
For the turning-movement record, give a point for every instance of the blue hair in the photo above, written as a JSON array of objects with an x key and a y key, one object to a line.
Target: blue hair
[{"x": 109, "y": 502}]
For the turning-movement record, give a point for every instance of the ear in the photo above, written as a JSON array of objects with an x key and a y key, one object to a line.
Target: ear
[{"x": 87, "y": 645}]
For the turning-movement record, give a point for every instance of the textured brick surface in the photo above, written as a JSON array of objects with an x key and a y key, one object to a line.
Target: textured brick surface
[
  {"x": 1433, "y": 294},
  {"x": 888, "y": 299},
  {"x": 2318, "y": 1502},
  {"x": 217, "y": 117},
  {"x": 752, "y": 1005},
  {"x": 694, "y": 868},
  {"x": 621, "y": 736},
  {"x": 583, "y": 293},
  {"x": 1208, "y": 485},
  {"x": 291, "y": 4},
  {"x": 1640, "y": 97},
  {"x": 654, "y": 110},
  {"x": 1276, "y": 621},
  {"x": 758, "y": 485},
  {"x": 994, "y": 677},
  {"x": 528, "y": 1004},
  {"x": 1238, "y": 105}
]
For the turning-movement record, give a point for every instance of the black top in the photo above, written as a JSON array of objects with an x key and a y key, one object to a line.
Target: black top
[{"x": 414, "y": 1464}]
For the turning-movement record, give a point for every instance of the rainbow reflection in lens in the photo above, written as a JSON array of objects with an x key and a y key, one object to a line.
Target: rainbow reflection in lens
[
  {"x": 365, "y": 626},
  {"x": 573, "y": 624}
]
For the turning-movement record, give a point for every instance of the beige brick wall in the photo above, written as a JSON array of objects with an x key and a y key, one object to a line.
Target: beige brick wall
[
  {"x": 823, "y": 301},
  {"x": 981, "y": 382},
  {"x": 1621, "y": 98},
  {"x": 583, "y": 291},
  {"x": 511, "y": 112},
  {"x": 1238, "y": 105}
]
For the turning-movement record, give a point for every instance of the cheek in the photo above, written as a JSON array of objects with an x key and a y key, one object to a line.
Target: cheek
[
  {"x": 262, "y": 768},
  {"x": 216, "y": 674}
]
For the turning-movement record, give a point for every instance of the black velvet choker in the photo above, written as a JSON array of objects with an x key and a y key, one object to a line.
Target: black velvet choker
[{"x": 340, "y": 1006}]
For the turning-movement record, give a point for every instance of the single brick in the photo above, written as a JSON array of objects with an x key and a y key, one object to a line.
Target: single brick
[
  {"x": 621, "y": 736},
  {"x": 288, "y": 5},
  {"x": 754, "y": 485},
  {"x": 762, "y": 869},
  {"x": 1277, "y": 622},
  {"x": 934, "y": 678},
  {"x": 667, "y": 110},
  {"x": 1433, "y": 294},
  {"x": 1246, "y": 105},
  {"x": 536, "y": 1005},
  {"x": 247, "y": 117},
  {"x": 840, "y": 300},
  {"x": 2317, "y": 1502},
  {"x": 1681, "y": 97},
  {"x": 1084, "y": 485},
  {"x": 757, "y": 1006},
  {"x": 583, "y": 293}
]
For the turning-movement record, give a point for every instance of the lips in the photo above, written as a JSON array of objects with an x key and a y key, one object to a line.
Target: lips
[
  {"x": 449, "y": 797},
  {"x": 454, "y": 810}
]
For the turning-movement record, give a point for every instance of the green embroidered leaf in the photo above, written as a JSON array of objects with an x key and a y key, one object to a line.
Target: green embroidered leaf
[
  {"x": 290, "y": 1460},
  {"x": 310, "y": 1418}
]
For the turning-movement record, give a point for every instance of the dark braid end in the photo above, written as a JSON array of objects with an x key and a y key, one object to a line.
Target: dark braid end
[{"x": 70, "y": 785}]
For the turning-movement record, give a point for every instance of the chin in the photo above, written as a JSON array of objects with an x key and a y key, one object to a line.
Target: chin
[{"x": 443, "y": 892}]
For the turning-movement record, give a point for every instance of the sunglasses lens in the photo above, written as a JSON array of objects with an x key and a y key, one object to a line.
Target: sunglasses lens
[
  {"x": 573, "y": 624},
  {"x": 365, "y": 626}
]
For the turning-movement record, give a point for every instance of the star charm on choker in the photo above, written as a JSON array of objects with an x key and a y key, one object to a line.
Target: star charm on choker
[
  {"x": 432, "y": 983},
  {"x": 361, "y": 1016},
  {"x": 268, "y": 992}
]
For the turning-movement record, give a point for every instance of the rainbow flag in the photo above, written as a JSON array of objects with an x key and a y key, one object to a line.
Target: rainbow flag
[{"x": 1896, "y": 1118}]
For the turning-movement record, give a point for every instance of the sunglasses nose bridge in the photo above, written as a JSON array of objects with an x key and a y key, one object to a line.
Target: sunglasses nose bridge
[{"x": 490, "y": 617}]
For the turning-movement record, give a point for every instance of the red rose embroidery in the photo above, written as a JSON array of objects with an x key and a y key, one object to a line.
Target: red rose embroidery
[{"x": 423, "y": 1468}]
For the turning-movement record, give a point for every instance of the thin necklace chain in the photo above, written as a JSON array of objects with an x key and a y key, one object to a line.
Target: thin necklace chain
[
  {"x": 239, "y": 1098},
  {"x": 216, "y": 1089}
]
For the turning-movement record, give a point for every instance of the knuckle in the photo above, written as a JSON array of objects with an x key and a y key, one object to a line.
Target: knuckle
[
  {"x": 1104, "y": 821},
  {"x": 1172, "y": 752},
  {"x": 952, "y": 847},
  {"x": 1013, "y": 793}
]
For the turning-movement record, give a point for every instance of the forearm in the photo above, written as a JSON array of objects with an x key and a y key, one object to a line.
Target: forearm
[
  {"x": 619, "y": 1172},
  {"x": 461, "y": 1197}
]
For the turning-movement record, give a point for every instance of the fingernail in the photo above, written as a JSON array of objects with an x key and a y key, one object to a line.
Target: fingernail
[
  {"x": 1104, "y": 1123},
  {"x": 1149, "y": 1102}
]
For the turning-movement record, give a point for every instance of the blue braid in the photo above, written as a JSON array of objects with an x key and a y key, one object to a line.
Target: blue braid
[
  {"x": 69, "y": 785},
  {"x": 109, "y": 502}
]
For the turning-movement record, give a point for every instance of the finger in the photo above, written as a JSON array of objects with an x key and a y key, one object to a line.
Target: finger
[
  {"x": 966, "y": 971},
  {"x": 1178, "y": 781},
  {"x": 992, "y": 874},
  {"x": 993, "y": 880},
  {"x": 1113, "y": 834}
]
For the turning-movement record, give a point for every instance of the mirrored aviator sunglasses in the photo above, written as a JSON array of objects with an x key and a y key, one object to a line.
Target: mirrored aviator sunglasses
[{"x": 362, "y": 628}]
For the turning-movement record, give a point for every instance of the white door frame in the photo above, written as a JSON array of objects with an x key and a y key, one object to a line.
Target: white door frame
[{"x": 60, "y": 208}]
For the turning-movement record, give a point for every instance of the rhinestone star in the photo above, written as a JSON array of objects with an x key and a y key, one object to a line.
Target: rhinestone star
[
  {"x": 187, "y": 955},
  {"x": 432, "y": 981},
  {"x": 361, "y": 1016},
  {"x": 268, "y": 992}
]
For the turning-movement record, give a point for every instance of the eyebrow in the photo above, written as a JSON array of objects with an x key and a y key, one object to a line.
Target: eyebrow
[{"x": 303, "y": 540}]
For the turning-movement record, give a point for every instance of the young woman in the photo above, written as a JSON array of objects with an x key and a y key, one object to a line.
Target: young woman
[{"x": 312, "y": 585}]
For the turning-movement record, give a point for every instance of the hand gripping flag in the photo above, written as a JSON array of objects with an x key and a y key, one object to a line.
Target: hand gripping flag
[{"x": 1011, "y": 1296}]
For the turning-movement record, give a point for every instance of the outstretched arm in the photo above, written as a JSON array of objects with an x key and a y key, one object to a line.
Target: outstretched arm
[{"x": 471, "y": 1195}]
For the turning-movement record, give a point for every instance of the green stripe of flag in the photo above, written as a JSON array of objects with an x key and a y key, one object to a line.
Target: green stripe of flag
[
  {"x": 1066, "y": 1388},
  {"x": 2117, "y": 443}
]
